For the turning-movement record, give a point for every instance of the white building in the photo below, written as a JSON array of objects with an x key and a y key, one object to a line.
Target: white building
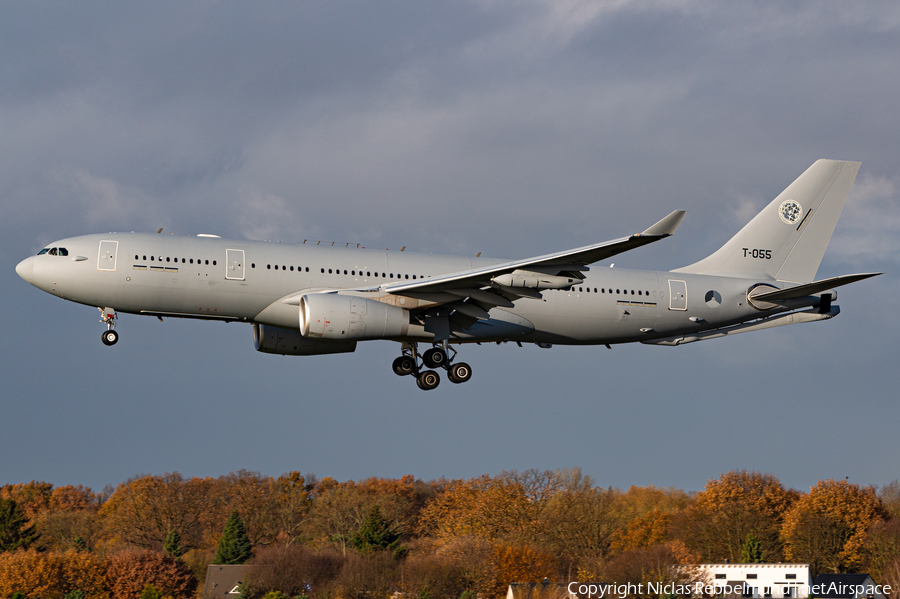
[{"x": 757, "y": 580}]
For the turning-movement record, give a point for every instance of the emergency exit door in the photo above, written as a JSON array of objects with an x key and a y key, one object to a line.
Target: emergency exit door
[
  {"x": 234, "y": 264},
  {"x": 106, "y": 257},
  {"x": 677, "y": 295}
]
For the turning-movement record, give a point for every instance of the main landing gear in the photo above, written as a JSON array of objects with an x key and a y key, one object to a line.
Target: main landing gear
[
  {"x": 108, "y": 317},
  {"x": 436, "y": 357}
]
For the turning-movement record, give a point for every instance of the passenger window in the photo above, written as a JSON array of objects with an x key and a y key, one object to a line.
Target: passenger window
[
  {"x": 329, "y": 271},
  {"x": 292, "y": 269},
  {"x": 639, "y": 291},
  {"x": 368, "y": 274},
  {"x": 168, "y": 259},
  {"x": 406, "y": 276},
  {"x": 345, "y": 272},
  {"x": 135, "y": 257},
  {"x": 151, "y": 258},
  {"x": 323, "y": 271},
  {"x": 192, "y": 260},
  {"x": 414, "y": 277},
  {"x": 145, "y": 257},
  {"x": 252, "y": 265},
  {"x": 632, "y": 292},
  {"x": 214, "y": 262},
  {"x": 392, "y": 275},
  {"x": 207, "y": 262},
  {"x": 383, "y": 275}
]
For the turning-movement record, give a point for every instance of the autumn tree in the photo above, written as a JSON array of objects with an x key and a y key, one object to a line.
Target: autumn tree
[
  {"x": 53, "y": 574},
  {"x": 828, "y": 527},
  {"x": 33, "y": 497},
  {"x": 293, "y": 570},
  {"x": 130, "y": 572},
  {"x": 144, "y": 510},
  {"x": 14, "y": 530},
  {"x": 659, "y": 565},
  {"x": 292, "y": 503},
  {"x": 737, "y": 504},
  {"x": 234, "y": 546}
]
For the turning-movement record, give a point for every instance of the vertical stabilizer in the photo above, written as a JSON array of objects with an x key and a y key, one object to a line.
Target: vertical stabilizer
[{"x": 786, "y": 241}]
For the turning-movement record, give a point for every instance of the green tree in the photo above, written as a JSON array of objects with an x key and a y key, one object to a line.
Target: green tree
[
  {"x": 14, "y": 534},
  {"x": 234, "y": 546},
  {"x": 151, "y": 592},
  {"x": 172, "y": 545},
  {"x": 376, "y": 534},
  {"x": 752, "y": 551}
]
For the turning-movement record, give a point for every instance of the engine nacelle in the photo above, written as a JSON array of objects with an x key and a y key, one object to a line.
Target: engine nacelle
[
  {"x": 287, "y": 342},
  {"x": 534, "y": 280},
  {"x": 350, "y": 318}
]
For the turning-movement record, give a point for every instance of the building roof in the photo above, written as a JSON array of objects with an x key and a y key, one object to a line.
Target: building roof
[
  {"x": 222, "y": 581},
  {"x": 538, "y": 590}
]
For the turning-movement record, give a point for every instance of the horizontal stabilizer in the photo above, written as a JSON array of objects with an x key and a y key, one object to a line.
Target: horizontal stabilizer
[{"x": 812, "y": 288}]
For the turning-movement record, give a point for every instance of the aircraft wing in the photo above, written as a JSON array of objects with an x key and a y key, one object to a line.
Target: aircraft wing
[{"x": 474, "y": 292}]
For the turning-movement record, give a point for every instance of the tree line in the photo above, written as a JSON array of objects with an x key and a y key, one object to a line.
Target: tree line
[{"x": 154, "y": 536}]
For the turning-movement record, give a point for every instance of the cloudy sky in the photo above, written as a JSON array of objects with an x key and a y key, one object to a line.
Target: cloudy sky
[{"x": 513, "y": 128}]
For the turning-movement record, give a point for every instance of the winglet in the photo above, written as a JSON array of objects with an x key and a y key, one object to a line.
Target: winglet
[{"x": 666, "y": 226}]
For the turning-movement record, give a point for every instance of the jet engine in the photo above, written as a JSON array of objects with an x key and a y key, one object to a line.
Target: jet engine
[
  {"x": 350, "y": 318},
  {"x": 286, "y": 342}
]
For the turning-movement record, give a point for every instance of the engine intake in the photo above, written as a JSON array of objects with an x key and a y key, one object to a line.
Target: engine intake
[
  {"x": 287, "y": 342},
  {"x": 350, "y": 318}
]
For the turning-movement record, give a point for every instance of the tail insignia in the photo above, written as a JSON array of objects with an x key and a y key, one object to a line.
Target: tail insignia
[{"x": 790, "y": 212}]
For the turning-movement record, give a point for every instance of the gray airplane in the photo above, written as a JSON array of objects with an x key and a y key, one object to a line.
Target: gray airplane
[{"x": 310, "y": 299}]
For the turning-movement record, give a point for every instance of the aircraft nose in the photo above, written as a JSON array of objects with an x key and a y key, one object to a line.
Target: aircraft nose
[{"x": 25, "y": 268}]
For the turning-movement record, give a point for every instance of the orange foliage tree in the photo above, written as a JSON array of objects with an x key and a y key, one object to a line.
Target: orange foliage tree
[
  {"x": 144, "y": 510},
  {"x": 828, "y": 527},
  {"x": 736, "y": 506},
  {"x": 52, "y": 575},
  {"x": 129, "y": 572}
]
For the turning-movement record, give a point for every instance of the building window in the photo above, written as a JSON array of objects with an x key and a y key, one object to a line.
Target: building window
[
  {"x": 790, "y": 577},
  {"x": 720, "y": 577},
  {"x": 751, "y": 576}
]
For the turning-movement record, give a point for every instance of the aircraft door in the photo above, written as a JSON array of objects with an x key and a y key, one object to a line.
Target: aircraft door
[
  {"x": 234, "y": 264},
  {"x": 677, "y": 295},
  {"x": 106, "y": 257}
]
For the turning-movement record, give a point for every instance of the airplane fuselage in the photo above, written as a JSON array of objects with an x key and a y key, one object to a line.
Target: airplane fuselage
[{"x": 246, "y": 281}]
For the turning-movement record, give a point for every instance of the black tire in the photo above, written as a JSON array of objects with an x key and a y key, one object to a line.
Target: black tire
[
  {"x": 460, "y": 372},
  {"x": 404, "y": 365},
  {"x": 428, "y": 380},
  {"x": 434, "y": 358},
  {"x": 109, "y": 337}
]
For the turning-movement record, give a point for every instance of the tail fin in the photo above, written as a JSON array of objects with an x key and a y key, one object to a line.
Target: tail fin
[{"x": 787, "y": 240}]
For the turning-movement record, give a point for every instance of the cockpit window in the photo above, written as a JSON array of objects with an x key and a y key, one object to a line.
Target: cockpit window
[{"x": 54, "y": 252}]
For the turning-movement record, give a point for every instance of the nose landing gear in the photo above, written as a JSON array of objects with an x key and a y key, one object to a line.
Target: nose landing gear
[
  {"x": 436, "y": 357},
  {"x": 108, "y": 317}
]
